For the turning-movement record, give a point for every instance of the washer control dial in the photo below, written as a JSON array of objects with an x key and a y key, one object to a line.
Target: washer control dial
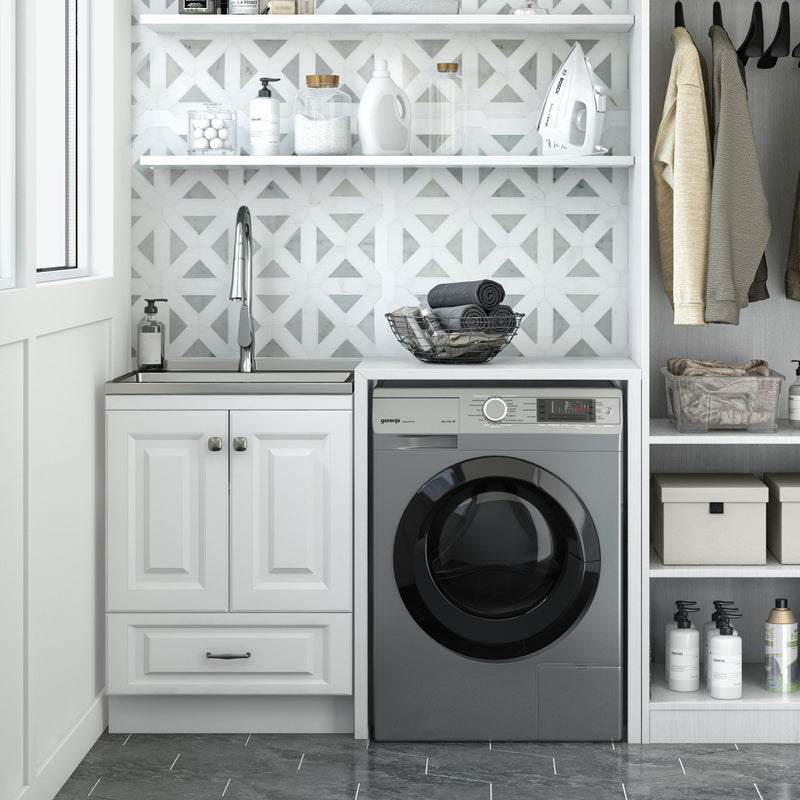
[{"x": 495, "y": 409}]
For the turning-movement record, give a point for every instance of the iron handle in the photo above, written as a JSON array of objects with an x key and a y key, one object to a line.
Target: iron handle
[
  {"x": 240, "y": 444},
  {"x": 228, "y": 656},
  {"x": 215, "y": 444}
]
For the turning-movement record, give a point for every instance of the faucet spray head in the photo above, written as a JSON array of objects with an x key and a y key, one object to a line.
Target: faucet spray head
[{"x": 241, "y": 256}]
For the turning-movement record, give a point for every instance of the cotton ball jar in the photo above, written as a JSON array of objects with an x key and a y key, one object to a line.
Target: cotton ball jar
[{"x": 212, "y": 131}]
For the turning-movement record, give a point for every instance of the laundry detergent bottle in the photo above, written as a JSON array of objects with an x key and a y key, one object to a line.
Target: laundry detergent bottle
[{"x": 384, "y": 116}]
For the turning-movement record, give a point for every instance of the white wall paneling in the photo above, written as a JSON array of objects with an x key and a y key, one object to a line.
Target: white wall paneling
[
  {"x": 59, "y": 342},
  {"x": 12, "y": 570}
]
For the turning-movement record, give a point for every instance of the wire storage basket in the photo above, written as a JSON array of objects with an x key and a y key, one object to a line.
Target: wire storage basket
[{"x": 453, "y": 347}]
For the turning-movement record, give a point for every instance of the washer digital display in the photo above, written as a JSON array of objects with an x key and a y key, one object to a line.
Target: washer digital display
[{"x": 566, "y": 410}]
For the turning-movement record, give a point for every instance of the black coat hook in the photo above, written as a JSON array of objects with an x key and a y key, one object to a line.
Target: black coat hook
[
  {"x": 753, "y": 44},
  {"x": 718, "y": 14},
  {"x": 679, "y": 20},
  {"x": 779, "y": 47}
]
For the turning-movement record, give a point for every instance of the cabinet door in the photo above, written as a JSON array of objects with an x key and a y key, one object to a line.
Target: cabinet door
[
  {"x": 167, "y": 510},
  {"x": 291, "y": 511}
]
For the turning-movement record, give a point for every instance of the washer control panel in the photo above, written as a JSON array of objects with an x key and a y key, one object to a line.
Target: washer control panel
[{"x": 478, "y": 410}]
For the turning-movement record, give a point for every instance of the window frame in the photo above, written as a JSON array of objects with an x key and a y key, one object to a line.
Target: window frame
[
  {"x": 8, "y": 172},
  {"x": 47, "y": 64}
]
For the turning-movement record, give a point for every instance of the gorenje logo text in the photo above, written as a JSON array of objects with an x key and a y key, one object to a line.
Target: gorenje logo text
[{"x": 395, "y": 420}]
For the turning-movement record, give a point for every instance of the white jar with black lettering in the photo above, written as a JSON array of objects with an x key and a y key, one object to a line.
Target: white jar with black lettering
[{"x": 244, "y": 7}]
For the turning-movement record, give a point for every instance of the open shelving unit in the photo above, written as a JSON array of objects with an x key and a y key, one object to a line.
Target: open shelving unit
[
  {"x": 186, "y": 162},
  {"x": 338, "y": 24}
]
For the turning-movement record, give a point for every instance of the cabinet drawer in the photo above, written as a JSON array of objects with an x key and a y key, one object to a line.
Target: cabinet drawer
[{"x": 175, "y": 654}]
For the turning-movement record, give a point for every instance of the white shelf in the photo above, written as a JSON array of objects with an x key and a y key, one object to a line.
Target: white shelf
[
  {"x": 754, "y": 696},
  {"x": 357, "y": 24},
  {"x": 772, "y": 569},
  {"x": 662, "y": 431},
  {"x": 501, "y": 369},
  {"x": 187, "y": 162}
]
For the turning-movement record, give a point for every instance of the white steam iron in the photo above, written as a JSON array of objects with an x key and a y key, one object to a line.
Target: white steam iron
[{"x": 571, "y": 119}]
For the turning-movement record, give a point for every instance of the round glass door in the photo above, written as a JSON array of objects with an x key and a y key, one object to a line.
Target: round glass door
[{"x": 496, "y": 558}]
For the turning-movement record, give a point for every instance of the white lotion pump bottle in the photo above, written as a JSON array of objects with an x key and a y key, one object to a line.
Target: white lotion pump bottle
[
  {"x": 384, "y": 116},
  {"x": 721, "y": 607},
  {"x": 684, "y": 656},
  {"x": 150, "y": 338},
  {"x": 670, "y": 626},
  {"x": 794, "y": 398},
  {"x": 725, "y": 675},
  {"x": 265, "y": 121}
]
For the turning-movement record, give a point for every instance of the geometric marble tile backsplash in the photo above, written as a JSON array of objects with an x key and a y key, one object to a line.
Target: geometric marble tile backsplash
[{"x": 335, "y": 249}]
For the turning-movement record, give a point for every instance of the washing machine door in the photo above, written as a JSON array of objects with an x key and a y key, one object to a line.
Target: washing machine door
[{"x": 496, "y": 558}]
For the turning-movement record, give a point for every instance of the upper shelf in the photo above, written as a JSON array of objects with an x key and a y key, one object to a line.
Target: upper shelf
[
  {"x": 338, "y": 24},
  {"x": 186, "y": 162},
  {"x": 662, "y": 431}
]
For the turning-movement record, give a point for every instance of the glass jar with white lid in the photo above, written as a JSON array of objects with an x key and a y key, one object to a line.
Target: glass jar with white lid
[{"x": 322, "y": 118}]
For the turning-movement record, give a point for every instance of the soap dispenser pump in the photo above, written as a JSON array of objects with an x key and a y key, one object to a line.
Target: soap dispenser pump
[
  {"x": 150, "y": 336},
  {"x": 794, "y": 398},
  {"x": 265, "y": 121},
  {"x": 683, "y": 645}
]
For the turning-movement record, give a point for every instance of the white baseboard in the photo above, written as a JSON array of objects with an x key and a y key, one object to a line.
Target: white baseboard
[
  {"x": 229, "y": 714},
  {"x": 68, "y": 753}
]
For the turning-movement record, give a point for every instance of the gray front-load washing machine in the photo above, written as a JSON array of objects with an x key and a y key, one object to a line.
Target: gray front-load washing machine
[{"x": 496, "y": 562}]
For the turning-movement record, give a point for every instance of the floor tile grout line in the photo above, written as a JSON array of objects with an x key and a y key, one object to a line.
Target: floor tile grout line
[
  {"x": 736, "y": 745},
  {"x": 682, "y": 767},
  {"x": 490, "y": 792},
  {"x": 456, "y": 777},
  {"x": 759, "y": 793},
  {"x": 126, "y": 740},
  {"x": 358, "y": 789},
  {"x": 301, "y": 762},
  {"x": 490, "y": 744},
  {"x": 174, "y": 762},
  {"x": 520, "y": 753},
  {"x": 248, "y": 739},
  {"x": 555, "y": 771},
  {"x": 612, "y": 746},
  {"x": 624, "y": 793},
  {"x": 225, "y": 790},
  {"x": 426, "y": 765},
  {"x": 93, "y": 787}
]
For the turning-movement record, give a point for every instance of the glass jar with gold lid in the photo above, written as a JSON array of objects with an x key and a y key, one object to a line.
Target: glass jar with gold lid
[{"x": 322, "y": 116}]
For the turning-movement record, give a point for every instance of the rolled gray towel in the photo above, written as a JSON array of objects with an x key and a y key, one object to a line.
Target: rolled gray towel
[
  {"x": 463, "y": 318},
  {"x": 502, "y": 320},
  {"x": 415, "y": 6},
  {"x": 484, "y": 293}
]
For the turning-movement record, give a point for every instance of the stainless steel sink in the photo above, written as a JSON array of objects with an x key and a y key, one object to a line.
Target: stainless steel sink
[{"x": 276, "y": 378}]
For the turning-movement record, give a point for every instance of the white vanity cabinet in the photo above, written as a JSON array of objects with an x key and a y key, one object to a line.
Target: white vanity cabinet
[{"x": 229, "y": 546}]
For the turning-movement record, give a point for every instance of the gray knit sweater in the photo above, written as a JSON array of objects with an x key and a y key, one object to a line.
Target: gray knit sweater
[{"x": 740, "y": 225}]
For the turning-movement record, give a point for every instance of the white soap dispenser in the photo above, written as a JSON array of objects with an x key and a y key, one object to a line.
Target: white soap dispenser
[
  {"x": 384, "y": 115},
  {"x": 720, "y": 606},
  {"x": 265, "y": 121},
  {"x": 684, "y": 655},
  {"x": 794, "y": 398},
  {"x": 670, "y": 626},
  {"x": 725, "y": 677},
  {"x": 150, "y": 338}
]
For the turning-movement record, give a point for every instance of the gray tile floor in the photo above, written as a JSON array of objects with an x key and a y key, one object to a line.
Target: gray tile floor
[{"x": 287, "y": 767}]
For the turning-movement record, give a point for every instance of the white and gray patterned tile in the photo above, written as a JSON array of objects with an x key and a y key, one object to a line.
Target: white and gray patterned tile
[{"x": 336, "y": 249}]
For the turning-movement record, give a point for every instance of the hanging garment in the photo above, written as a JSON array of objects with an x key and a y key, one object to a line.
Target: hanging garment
[
  {"x": 740, "y": 225},
  {"x": 682, "y": 170},
  {"x": 793, "y": 262}
]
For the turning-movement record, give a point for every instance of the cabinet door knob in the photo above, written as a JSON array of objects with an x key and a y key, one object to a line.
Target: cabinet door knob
[
  {"x": 240, "y": 444},
  {"x": 215, "y": 444}
]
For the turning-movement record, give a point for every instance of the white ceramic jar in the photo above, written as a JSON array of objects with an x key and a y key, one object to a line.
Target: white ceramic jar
[{"x": 322, "y": 118}]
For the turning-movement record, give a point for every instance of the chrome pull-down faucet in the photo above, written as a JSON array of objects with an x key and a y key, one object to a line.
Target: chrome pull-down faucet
[{"x": 242, "y": 288}]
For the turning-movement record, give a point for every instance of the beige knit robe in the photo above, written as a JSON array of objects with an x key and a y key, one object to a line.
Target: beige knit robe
[{"x": 682, "y": 169}]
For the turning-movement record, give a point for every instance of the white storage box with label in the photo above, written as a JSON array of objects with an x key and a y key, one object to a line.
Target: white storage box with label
[
  {"x": 710, "y": 519},
  {"x": 783, "y": 516}
]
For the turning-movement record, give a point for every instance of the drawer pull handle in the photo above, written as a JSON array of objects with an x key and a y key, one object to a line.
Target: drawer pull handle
[
  {"x": 215, "y": 444},
  {"x": 228, "y": 656},
  {"x": 240, "y": 444}
]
